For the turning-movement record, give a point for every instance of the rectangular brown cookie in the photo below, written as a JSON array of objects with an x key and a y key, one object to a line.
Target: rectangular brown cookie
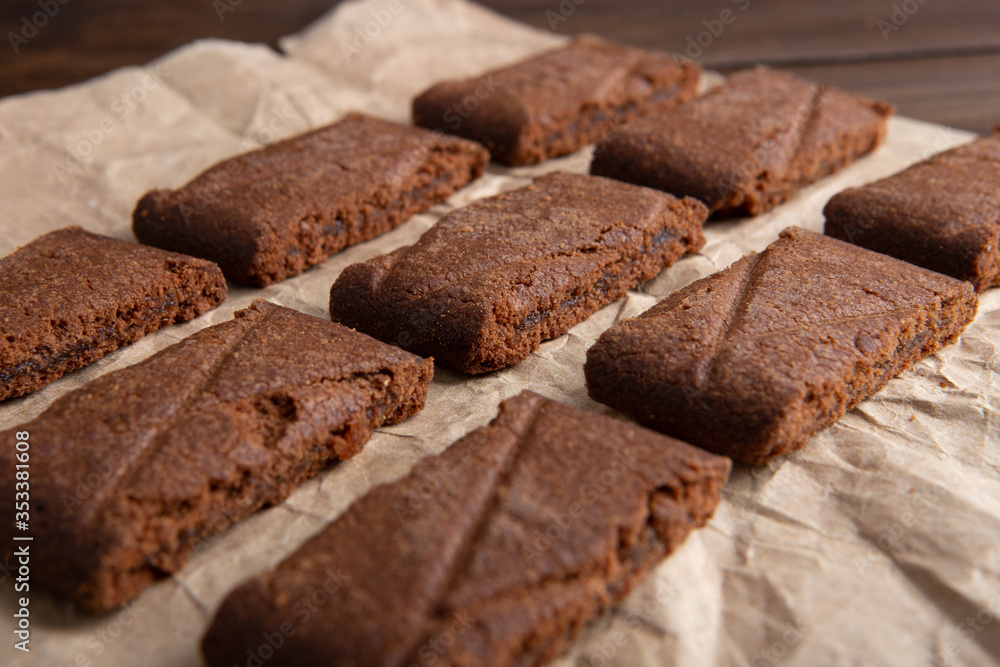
[
  {"x": 942, "y": 214},
  {"x": 497, "y": 552},
  {"x": 270, "y": 214},
  {"x": 70, "y": 297},
  {"x": 556, "y": 103},
  {"x": 131, "y": 471},
  {"x": 753, "y": 360},
  {"x": 747, "y": 145},
  {"x": 489, "y": 282}
]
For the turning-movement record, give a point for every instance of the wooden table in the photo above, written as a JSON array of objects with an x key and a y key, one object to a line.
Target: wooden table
[{"x": 937, "y": 60}]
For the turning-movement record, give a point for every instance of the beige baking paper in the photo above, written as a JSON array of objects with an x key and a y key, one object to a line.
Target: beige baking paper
[{"x": 876, "y": 545}]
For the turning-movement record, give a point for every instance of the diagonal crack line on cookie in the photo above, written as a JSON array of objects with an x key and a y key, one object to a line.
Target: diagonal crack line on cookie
[
  {"x": 780, "y": 181},
  {"x": 815, "y": 109},
  {"x": 460, "y": 564},
  {"x": 738, "y": 309},
  {"x": 130, "y": 472}
]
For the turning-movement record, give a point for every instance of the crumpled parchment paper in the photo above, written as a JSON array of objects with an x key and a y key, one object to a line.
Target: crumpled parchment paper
[{"x": 879, "y": 544}]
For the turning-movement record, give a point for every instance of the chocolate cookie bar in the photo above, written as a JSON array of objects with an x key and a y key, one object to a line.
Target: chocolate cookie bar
[
  {"x": 131, "y": 471},
  {"x": 747, "y": 145},
  {"x": 509, "y": 543},
  {"x": 272, "y": 213},
  {"x": 482, "y": 288},
  {"x": 753, "y": 360},
  {"x": 557, "y": 102},
  {"x": 942, "y": 214},
  {"x": 70, "y": 297}
]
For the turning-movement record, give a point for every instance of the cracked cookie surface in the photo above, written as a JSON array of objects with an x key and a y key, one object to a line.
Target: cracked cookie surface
[
  {"x": 132, "y": 470},
  {"x": 748, "y": 145},
  {"x": 505, "y": 546},
  {"x": 753, "y": 360}
]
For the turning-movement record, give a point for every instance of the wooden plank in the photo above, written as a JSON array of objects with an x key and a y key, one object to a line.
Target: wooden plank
[
  {"x": 940, "y": 65},
  {"x": 775, "y": 30}
]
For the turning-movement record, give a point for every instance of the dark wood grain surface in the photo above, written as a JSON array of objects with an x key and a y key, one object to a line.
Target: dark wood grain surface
[{"x": 937, "y": 60}]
